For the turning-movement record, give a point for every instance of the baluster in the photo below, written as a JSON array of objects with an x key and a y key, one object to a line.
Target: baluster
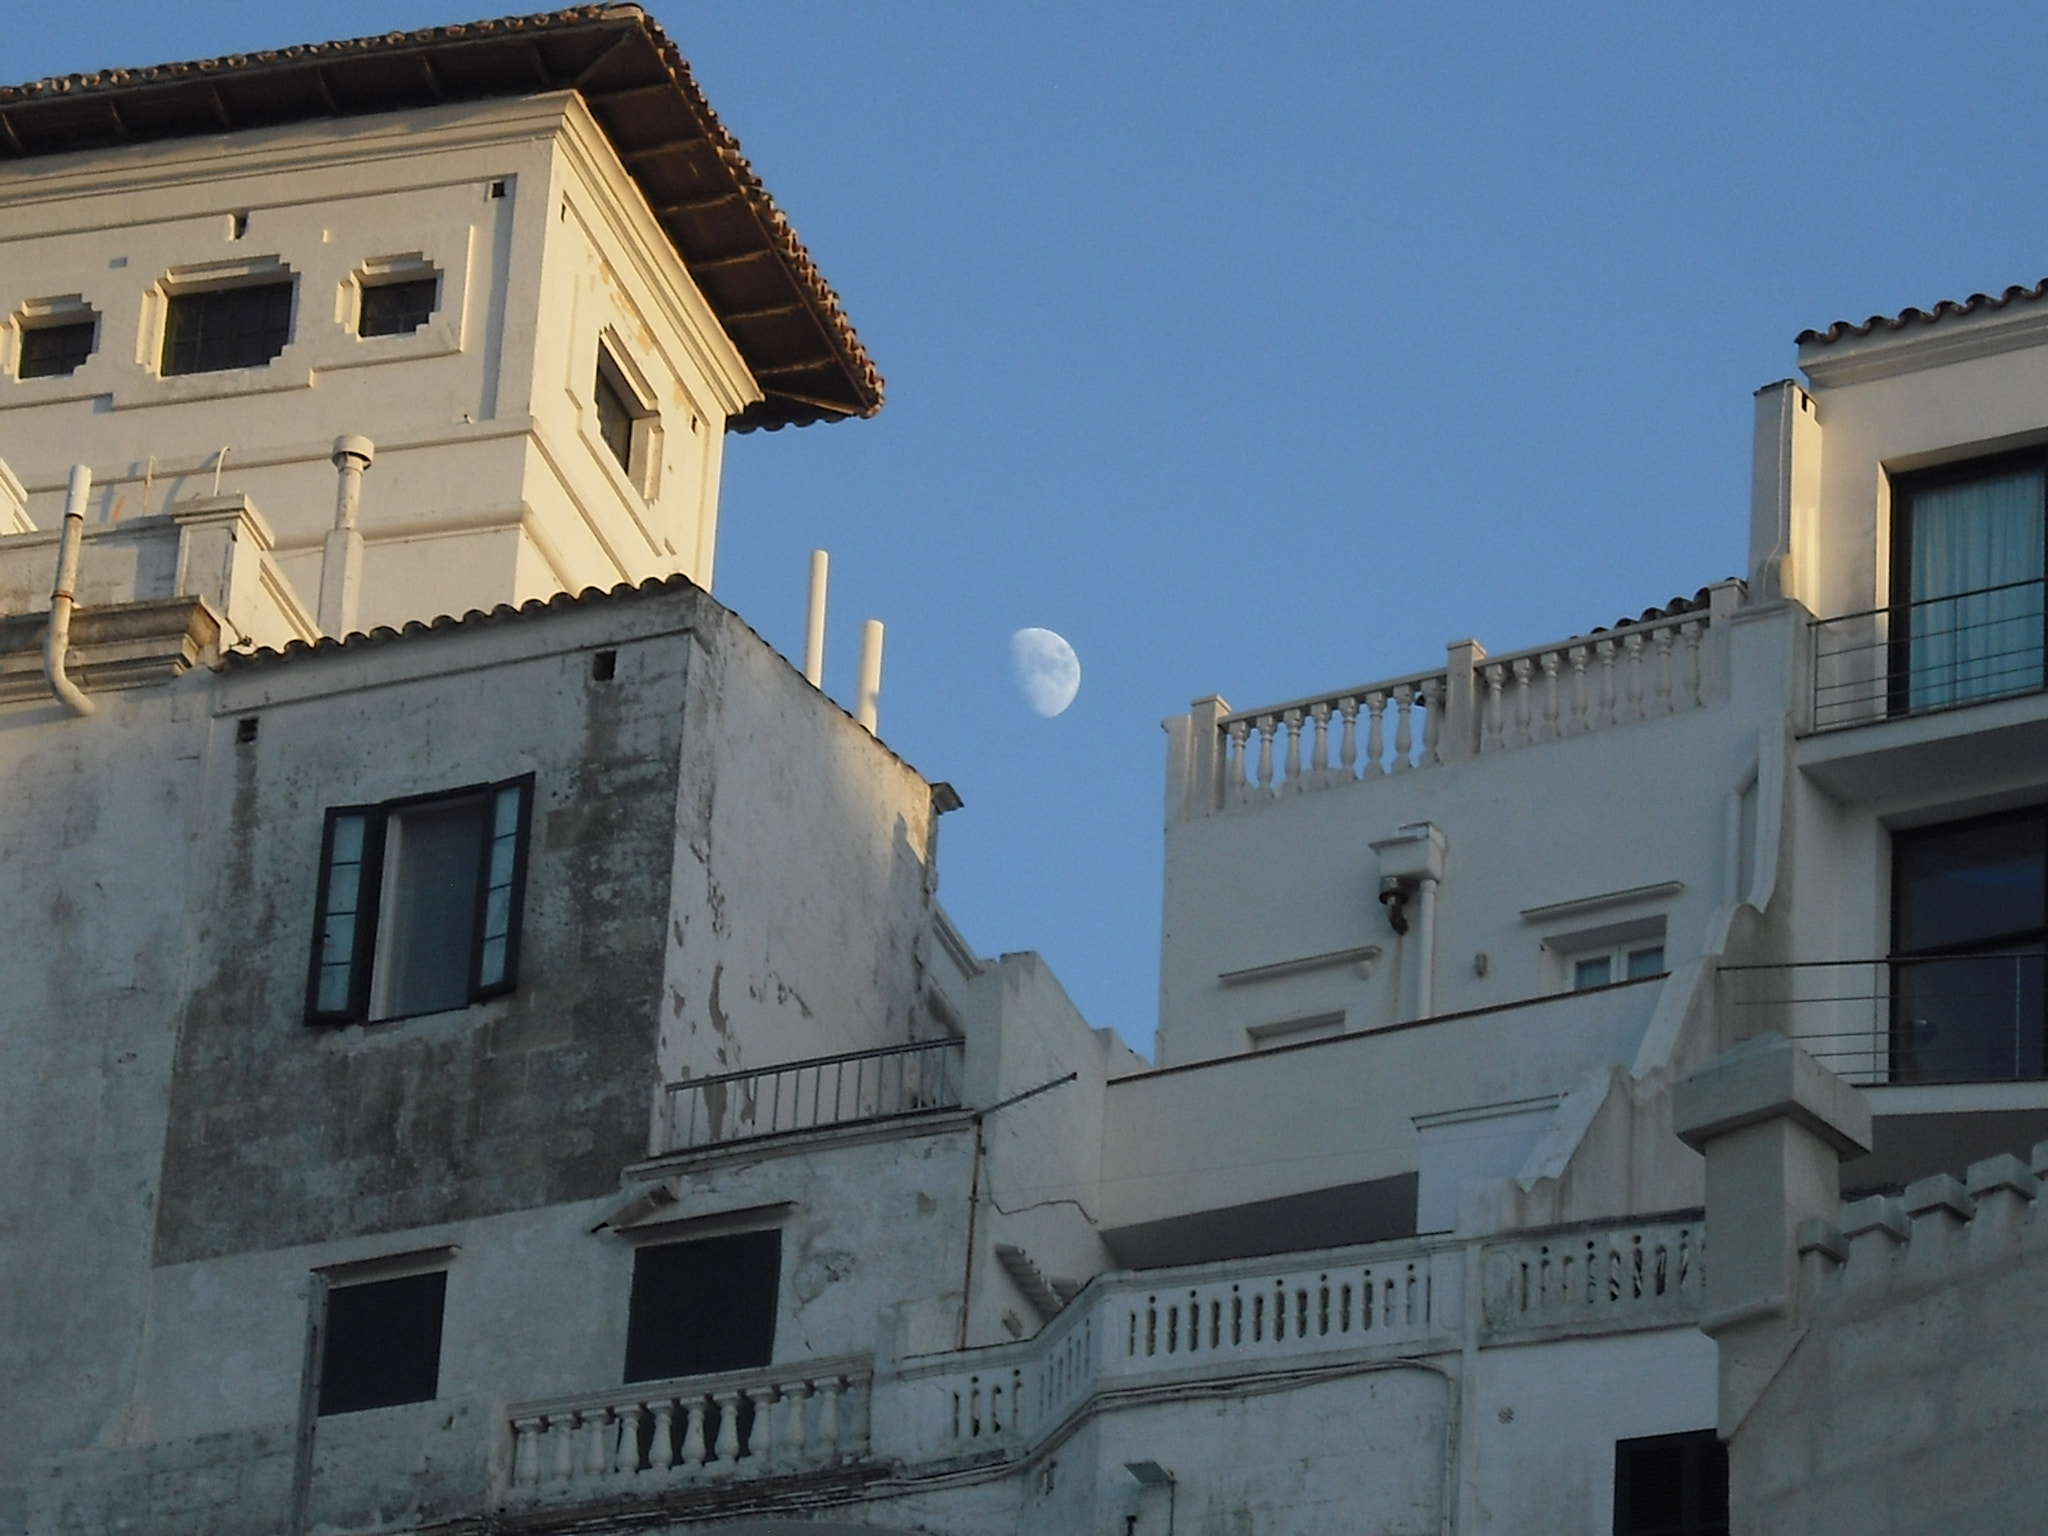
[
  {"x": 1553, "y": 697},
  {"x": 1240, "y": 777},
  {"x": 1319, "y": 758},
  {"x": 525, "y": 1452},
  {"x": 1660, "y": 701},
  {"x": 1375, "y": 734},
  {"x": 1608, "y": 697},
  {"x": 1347, "y": 751},
  {"x": 828, "y": 1420},
  {"x": 626, "y": 1444},
  {"x": 761, "y": 1434},
  {"x": 795, "y": 1438},
  {"x": 1292, "y": 720},
  {"x": 1491, "y": 738},
  {"x": 1432, "y": 696},
  {"x": 1518, "y": 732},
  {"x": 725, "y": 1450},
  {"x": 693, "y": 1434},
  {"x": 1634, "y": 643},
  {"x": 597, "y": 1455},
  {"x": 1575, "y": 722},
  {"x": 1689, "y": 674},
  {"x": 560, "y": 1431},
  {"x": 661, "y": 1450},
  {"x": 1268, "y": 724},
  {"x": 1404, "y": 735}
]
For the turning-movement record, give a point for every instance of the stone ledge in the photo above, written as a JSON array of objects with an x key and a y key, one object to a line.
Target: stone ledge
[{"x": 113, "y": 646}]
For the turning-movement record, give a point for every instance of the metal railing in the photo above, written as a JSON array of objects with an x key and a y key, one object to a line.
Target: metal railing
[
  {"x": 1938, "y": 653},
  {"x": 858, "y": 1086},
  {"x": 1928, "y": 1019}
]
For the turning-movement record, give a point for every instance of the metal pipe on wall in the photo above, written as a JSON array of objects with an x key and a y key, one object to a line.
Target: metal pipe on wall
[
  {"x": 57, "y": 639},
  {"x": 868, "y": 699},
  {"x": 814, "y": 622}
]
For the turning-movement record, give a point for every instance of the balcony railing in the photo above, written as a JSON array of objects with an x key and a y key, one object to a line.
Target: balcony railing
[
  {"x": 1939, "y": 653},
  {"x": 1939, "y": 1019},
  {"x": 860, "y": 1086}
]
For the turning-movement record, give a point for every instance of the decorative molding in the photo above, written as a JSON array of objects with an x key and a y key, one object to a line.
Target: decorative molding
[
  {"x": 1579, "y": 905},
  {"x": 1364, "y": 956}
]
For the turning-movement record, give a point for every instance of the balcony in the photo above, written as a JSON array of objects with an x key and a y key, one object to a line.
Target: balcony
[
  {"x": 896, "y": 1082},
  {"x": 1947, "y": 1019},
  {"x": 1924, "y": 657}
]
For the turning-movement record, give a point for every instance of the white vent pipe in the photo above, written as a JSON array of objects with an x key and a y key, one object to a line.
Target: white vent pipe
[
  {"x": 866, "y": 701},
  {"x": 814, "y": 622},
  {"x": 341, "y": 560},
  {"x": 57, "y": 640}
]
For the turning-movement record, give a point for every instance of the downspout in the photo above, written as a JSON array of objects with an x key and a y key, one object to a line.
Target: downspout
[{"x": 57, "y": 640}]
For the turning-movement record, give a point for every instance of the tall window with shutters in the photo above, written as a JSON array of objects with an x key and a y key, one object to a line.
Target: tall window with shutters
[{"x": 419, "y": 904}]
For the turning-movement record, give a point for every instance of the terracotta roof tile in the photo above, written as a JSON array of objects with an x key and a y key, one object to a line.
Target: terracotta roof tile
[{"x": 1946, "y": 309}]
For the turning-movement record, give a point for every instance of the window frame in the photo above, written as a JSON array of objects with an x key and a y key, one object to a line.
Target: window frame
[
  {"x": 1704, "y": 1450},
  {"x": 370, "y": 899},
  {"x": 1904, "y": 489},
  {"x": 651, "y": 1243},
  {"x": 405, "y": 1270},
  {"x": 1617, "y": 957},
  {"x": 615, "y": 371},
  {"x": 200, "y": 292}
]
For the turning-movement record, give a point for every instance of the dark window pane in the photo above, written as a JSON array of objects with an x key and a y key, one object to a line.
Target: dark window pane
[
  {"x": 432, "y": 922},
  {"x": 1671, "y": 1485},
  {"x": 614, "y": 418},
  {"x": 1974, "y": 568},
  {"x": 397, "y": 309},
  {"x": 382, "y": 1343},
  {"x": 1970, "y": 885},
  {"x": 227, "y": 328},
  {"x": 703, "y": 1307},
  {"x": 51, "y": 351}
]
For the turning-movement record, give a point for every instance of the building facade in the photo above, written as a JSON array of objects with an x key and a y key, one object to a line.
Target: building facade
[{"x": 483, "y": 1048}]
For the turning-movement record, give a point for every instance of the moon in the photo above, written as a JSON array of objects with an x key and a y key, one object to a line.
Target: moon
[{"x": 1047, "y": 670}]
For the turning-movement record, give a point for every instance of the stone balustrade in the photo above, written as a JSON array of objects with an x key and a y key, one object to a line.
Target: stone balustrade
[
  {"x": 1592, "y": 1281},
  {"x": 1667, "y": 663},
  {"x": 655, "y": 1435}
]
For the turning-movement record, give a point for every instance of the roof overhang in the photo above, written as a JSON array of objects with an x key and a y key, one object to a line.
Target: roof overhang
[{"x": 761, "y": 283}]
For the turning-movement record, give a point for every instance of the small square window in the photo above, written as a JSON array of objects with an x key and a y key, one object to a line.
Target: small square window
[
  {"x": 419, "y": 904},
  {"x": 614, "y": 417},
  {"x": 703, "y": 1307},
  {"x": 1626, "y": 962},
  {"x": 381, "y": 1343},
  {"x": 398, "y": 309},
  {"x": 223, "y": 328},
  {"x": 54, "y": 351}
]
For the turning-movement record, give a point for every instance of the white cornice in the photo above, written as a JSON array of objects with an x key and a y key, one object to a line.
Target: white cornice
[{"x": 1925, "y": 344}]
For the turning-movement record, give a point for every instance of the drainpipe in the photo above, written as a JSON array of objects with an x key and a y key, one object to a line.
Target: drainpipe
[
  {"x": 57, "y": 641},
  {"x": 1411, "y": 866},
  {"x": 341, "y": 560}
]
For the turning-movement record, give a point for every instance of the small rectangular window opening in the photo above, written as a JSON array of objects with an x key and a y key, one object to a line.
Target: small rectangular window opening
[
  {"x": 704, "y": 1306},
  {"x": 380, "y": 1344},
  {"x": 604, "y": 666},
  {"x": 398, "y": 309},
  {"x": 615, "y": 414},
  {"x": 56, "y": 351},
  {"x": 238, "y": 225},
  {"x": 225, "y": 328},
  {"x": 1671, "y": 1485},
  {"x": 497, "y": 190},
  {"x": 245, "y": 729}
]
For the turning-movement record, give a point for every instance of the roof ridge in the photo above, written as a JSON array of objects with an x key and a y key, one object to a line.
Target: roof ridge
[{"x": 1945, "y": 309}]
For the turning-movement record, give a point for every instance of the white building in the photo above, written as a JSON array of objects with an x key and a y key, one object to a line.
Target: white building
[{"x": 511, "y": 1071}]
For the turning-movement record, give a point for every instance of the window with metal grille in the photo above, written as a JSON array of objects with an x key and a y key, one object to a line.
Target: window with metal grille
[
  {"x": 1671, "y": 1485},
  {"x": 224, "y": 328},
  {"x": 419, "y": 904},
  {"x": 52, "y": 351},
  {"x": 703, "y": 1306},
  {"x": 381, "y": 1343},
  {"x": 397, "y": 309}
]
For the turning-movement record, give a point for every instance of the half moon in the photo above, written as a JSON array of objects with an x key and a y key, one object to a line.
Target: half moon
[{"x": 1047, "y": 670}]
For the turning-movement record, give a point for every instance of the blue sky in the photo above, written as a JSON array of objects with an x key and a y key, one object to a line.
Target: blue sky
[{"x": 1264, "y": 349}]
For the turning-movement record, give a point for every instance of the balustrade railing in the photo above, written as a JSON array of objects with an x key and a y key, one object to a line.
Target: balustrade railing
[
  {"x": 811, "y": 1095},
  {"x": 1909, "y": 1019},
  {"x": 1614, "y": 1277},
  {"x": 1661, "y": 665},
  {"x": 650, "y": 1436}
]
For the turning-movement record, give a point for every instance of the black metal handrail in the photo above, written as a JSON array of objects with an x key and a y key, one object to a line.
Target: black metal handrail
[
  {"x": 1865, "y": 666},
  {"x": 847, "y": 1089}
]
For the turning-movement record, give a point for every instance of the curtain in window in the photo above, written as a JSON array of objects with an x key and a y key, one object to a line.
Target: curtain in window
[{"x": 1976, "y": 621}]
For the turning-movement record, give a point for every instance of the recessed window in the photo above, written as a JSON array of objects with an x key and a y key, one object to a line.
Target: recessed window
[
  {"x": 704, "y": 1306},
  {"x": 222, "y": 328},
  {"x": 381, "y": 1343},
  {"x": 419, "y": 904},
  {"x": 1969, "y": 923},
  {"x": 1671, "y": 1485},
  {"x": 54, "y": 349},
  {"x": 614, "y": 417},
  {"x": 397, "y": 309},
  {"x": 626, "y": 420},
  {"x": 1625, "y": 963}
]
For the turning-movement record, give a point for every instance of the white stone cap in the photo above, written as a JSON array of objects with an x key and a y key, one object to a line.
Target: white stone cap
[
  {"x": 1414, "y": 852},
  {"x": 1769, "y": 1078}
]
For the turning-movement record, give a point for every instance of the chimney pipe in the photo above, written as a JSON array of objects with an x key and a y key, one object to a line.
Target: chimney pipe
[
  {"x": 341, "y": 561},
  {"x": 57, "y": 640},
  {"x": 814, "y": 622},
  {"x": 870, "y": 675}
]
